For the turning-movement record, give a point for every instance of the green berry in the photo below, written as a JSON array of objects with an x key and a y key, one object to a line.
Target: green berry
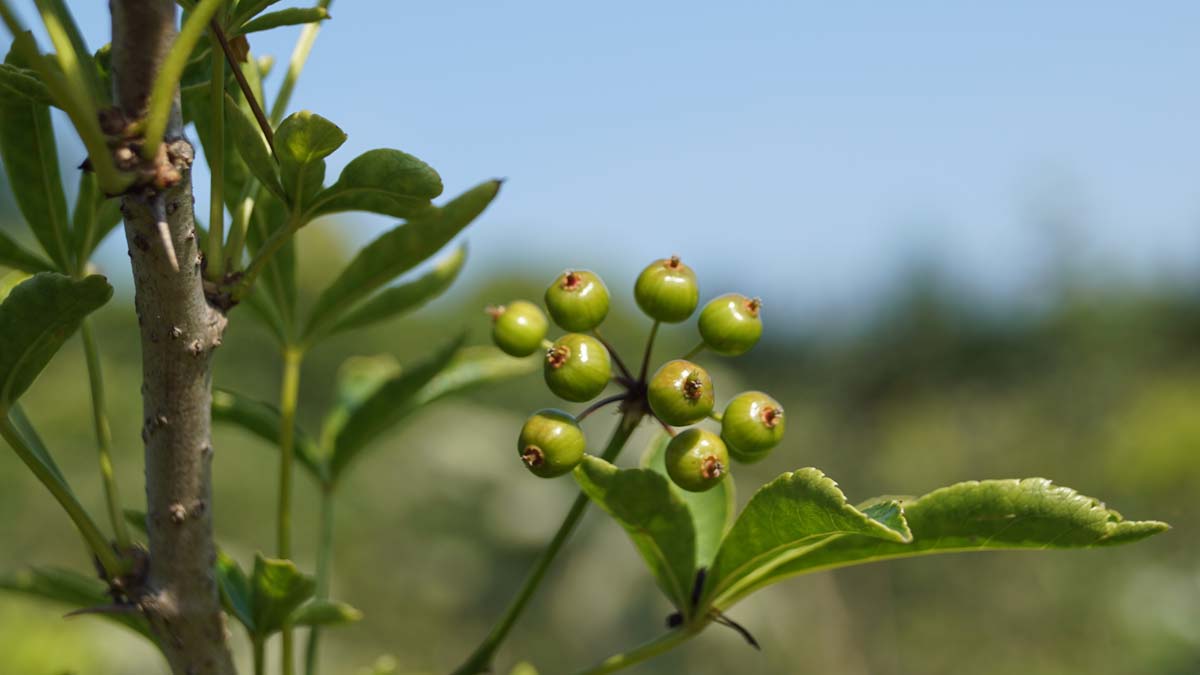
[
  {"x": 667, "y": 290},
  {"x": 577, "y": 300},
  {"x": 731, "y": 324},
  {"x": 752, "y": 425},
  {"x": 551, "y": 443},
  {"x": 577, "y": 367},
  {"x": 518, "y": 328},
  {"x": 697, "y": 460},
  {"x": 680, "y": 393}
]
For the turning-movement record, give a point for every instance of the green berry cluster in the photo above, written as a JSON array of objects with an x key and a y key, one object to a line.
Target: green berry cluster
[{"x": 578, "y": 367}]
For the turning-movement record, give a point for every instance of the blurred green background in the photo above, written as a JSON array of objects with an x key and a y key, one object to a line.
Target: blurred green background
[{"x": 1097, "y": 387}]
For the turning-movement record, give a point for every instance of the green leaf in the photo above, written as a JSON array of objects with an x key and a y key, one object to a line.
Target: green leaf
[
  {"x": 277, "y": 588},
  {"x": 390, "y": 402},
  {"x": 990, "y": 515},
  {"x": 384, "y": 181},
  {"x": 236, "y": 594},
  {"x": 278, "y": 279},
  {"x": 302, "y": 143},
  {"x": 23, "y": 83},
  {"x": 400, "y": 299},
  {"x": 788, "y": 517},
  {"x": 713, "y": 511},
  {"x": 656, "y": 519},
  {"x": 36, "y": 318},
  {"x": 17, "y": 257},
  {"x": 247, "y": 9},
  {"x": 95, "y": 215},
  {"x": 293, "y": 16},
  {"x": 31, "y": 159},
  {"x": 473, "y": 367},
  {"x": 73, "y": 590},
  {"x": 25, "y": 429},
  {"x": 325, "y": 613},
  {"x": 263, "y": 420},
  {"x": 252, "y": 147},
  {"x": 396, "y": 252}
]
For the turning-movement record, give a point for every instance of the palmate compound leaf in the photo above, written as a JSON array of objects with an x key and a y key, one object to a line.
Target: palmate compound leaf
[
  {"x": 1031, "y": 513},
  {"x": 656, "y": 518},
  {"x": 36, "y": 319},
  {"x": 713, "y": 511}
]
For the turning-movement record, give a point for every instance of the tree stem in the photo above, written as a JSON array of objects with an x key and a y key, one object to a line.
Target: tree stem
[
  {"x": 480, "y": 660},
  {"x": 179, "y": 332},
  {"x": 289, "y": 393},
  {"x": 103, "y": 436}
]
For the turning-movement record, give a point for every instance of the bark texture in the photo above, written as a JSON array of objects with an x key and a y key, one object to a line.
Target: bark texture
[{"x": 179, "y": 331}]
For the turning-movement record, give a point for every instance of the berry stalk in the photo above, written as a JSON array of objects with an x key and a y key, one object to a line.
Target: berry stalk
[{"x": 480, "y": 660}]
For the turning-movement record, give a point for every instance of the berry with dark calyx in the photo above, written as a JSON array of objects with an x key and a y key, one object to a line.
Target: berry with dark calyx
[
  {"x": 752, "y": 425},
  {"x": 518, "y": 328},
  {"x": 666, "y": 290},
  {"x": 730, "y": 324},
  {"x": 551, "y": 443},
  {"x": 680, "y": 393},
  {"x": 697, "y": 460},
  {"x": 577, "y": 300},
  {"x": 577, "y": 367}
]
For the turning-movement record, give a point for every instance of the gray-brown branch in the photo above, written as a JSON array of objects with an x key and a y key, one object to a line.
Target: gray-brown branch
[{"x": 179, "y": 332}]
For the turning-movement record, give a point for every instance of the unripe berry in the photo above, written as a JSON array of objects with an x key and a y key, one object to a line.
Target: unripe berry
[
  {"x": 518, "y": 328},
  {"x": 577, "y": 300},
  {"x": 667, "y": 290},
  {"x": 680, "y": 393},
  {"x": 752, "y": 425},
  {"x": 730, "y": 324},
  {"x": 697, "y": 460},
  {"x": 551, "y": 443},
  {"x": 577, "y": 367}
]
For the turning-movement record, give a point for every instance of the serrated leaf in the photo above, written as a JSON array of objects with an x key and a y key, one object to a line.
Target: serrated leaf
[
  {"x": 30, "y": 158},
  {"x": 17, "y": 257},
  {"x": 292, "y": 16},
  {"x": 655, "y": 518},
  {"x": 391, "y": 401},
  {"x": 252, "y": 147},
  {"x": 302, "y": 142},
  {"x": 277, "y": 588},
  {"x": 264, "y": 421},
  {"x": 36, "y": 318},
  {"x": 16, "y": 81},
  {"x": 396, "y": 252},
  {"x": 402, "y": 298},
  {"x": 73, "y": 590},
  {"x": 384, "y": 181},
  {"x": 990, "y": 515},
  {"x": 788, "y": 517},
  {"x": 713, "y": 511},
  {"x": 325, "y": 613}
]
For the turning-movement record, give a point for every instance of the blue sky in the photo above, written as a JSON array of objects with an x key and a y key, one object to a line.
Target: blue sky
[{"x": 807, "y": 150}]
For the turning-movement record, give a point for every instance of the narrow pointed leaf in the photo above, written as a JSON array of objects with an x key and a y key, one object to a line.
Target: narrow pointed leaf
[
  {"x": 35, "y": 319},
  {"x": 397, "y": 300},
  {"x": 713, "y": 511},
  {"x": 474, "y": 367},
  {"x": 656, "y": 519},
  {"x": 33, "y": 440},
  {"x": 264, "y": 421},
  {"x": 325, "y": 613},
  {"x": 391, "y": 402},
  {"x": 23, "y": 83},
  {"x": 30, "y": 158},
  {"x": 277, "y": 588},
  {"x": 95, "y": 215},
  {"x": 396, "y": 252},
  {"x": 17, "y": 257},
  {"x": 293, "y": 16},
  {"x": 384, "y": 181},
  {"x": 990, "y": 515},
  {"x": 793, "y": 514},
  {"x": 302, "y": 142},
  {"x": 252, "y": 147},
  {"x": 73, "y": 590},
  {"x": 247, "y": 9}
]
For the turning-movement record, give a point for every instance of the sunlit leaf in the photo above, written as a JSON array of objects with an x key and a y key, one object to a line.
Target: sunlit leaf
[
  {"x": 252, "y": 147},
  {"x": 389, "y": 182},
  {"x": 22, "y": 83},
  {"x": 713, "y": 511},
  {"x": 302, "y": 142},
  {"x": 277, "y": 589},
  {"x": 397, "y": 300},
  {"x": 292, "y": 16}
]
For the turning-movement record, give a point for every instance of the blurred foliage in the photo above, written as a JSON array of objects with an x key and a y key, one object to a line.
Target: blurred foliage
[{"x": 1097, "y": 388}]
